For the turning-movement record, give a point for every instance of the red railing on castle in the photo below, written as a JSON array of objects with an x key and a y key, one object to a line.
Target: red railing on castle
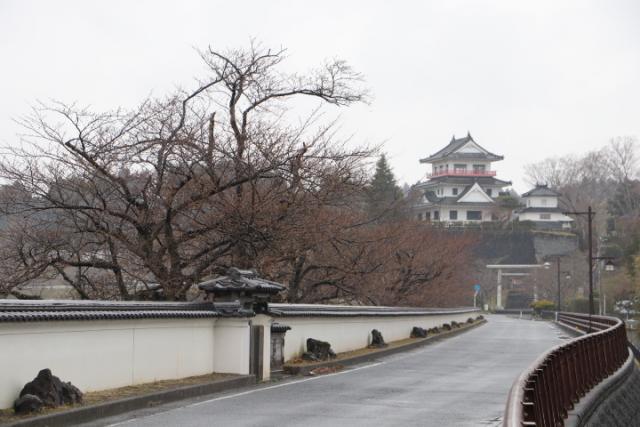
[
  {"x": 545, "y": 392},
  {"x": 461, "y": 172}
]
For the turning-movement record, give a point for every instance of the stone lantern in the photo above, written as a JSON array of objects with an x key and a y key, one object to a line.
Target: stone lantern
[{"x": 242, "y": 287}]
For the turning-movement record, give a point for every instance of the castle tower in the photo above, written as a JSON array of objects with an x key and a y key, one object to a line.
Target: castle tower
[{"x": 462, "y": 186}]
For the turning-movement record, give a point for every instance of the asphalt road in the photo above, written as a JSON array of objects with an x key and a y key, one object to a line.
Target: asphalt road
[{"x": 460, "y": 381}]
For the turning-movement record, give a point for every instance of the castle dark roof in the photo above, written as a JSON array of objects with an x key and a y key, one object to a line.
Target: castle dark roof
[
  {"x": 540, "y": 209},
  {"x": 453, "y": 200},
  {"x": 447, "y": 201},
  {"x": 469, "y": 181},
  {"x": 455, "y": 144},
  {"x": 541, "y": 190},
  {"x": 431, "y": 196}
]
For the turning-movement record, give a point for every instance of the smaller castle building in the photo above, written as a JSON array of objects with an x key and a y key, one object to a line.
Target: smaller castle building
[{"x": 541, "y": 207}]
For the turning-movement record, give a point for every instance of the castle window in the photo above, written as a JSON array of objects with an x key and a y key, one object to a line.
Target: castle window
[
  {"x": 460, "y": 167},
  {"x": 489, "y": 192},
  {"x": 453, "y": 215},
  {"x": 474, "y": 215},
  {"x": 455, "y": 191},
  {"x": 436, "y": 215},
  {"x": 419, "y": 217},
  {"x": 545, "y": 216}
]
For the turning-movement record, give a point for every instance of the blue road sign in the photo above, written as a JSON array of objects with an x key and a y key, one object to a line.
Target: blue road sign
[{"x": 476, "y": 288}]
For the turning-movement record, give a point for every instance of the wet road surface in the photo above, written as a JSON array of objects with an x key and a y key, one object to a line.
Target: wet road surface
[{"x": 460, "y": 381}]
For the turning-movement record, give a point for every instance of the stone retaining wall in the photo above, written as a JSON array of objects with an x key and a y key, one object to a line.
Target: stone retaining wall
[{"x": 621, "y": 407}]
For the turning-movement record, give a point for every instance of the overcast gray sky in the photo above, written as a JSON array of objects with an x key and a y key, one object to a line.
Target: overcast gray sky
[{"x": 528, "y": 79}]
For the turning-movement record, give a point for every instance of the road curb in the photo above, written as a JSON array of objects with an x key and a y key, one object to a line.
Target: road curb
[
  {"x": 305, "y": 369},
  {"x": 116, "y": 407}
]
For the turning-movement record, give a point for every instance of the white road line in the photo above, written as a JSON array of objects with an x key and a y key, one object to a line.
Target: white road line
[{"x": 244, "y": 393}]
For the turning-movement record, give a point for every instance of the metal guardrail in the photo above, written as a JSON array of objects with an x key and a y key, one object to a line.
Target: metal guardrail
[{"x": 544, "y": 393}]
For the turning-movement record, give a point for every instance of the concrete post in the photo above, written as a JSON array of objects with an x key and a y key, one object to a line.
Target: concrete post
[{"x": 265, "y": 367}]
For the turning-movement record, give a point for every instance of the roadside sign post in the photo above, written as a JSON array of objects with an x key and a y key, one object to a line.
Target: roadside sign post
[{"x": 476, "y": 289}]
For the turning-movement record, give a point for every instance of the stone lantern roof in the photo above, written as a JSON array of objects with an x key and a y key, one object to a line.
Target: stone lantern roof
[{"x": 243, "y": 286}]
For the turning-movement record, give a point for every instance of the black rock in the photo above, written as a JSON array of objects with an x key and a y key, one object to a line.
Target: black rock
[
  {"x": 418, "y": 332},
  {"x": 446, "y": 327},
  {"x": 376, "y": 339},
  {"x": 27, "y": 404},
  {"x": 71, "y": 394},
  {"x": 433, "y": 330},
  {"x": 455, "y": 324},
  {"x": 480, "y": 317},
  {"x": 318, "y": 350},
  {"x": 310, "y": 357},
  {"x": 51, "y": 391},
  {"x": 470, "y": 320}
]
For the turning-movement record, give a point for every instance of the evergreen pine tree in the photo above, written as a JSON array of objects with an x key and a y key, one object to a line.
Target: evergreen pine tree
[{"x": 383, "y": 192}]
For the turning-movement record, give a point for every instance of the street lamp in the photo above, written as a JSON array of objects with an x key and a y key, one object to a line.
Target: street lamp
[
  {"x": 609, "y": 267},
  {"x": 547, "y": 266},
  {"x": 590, "y": 213}
]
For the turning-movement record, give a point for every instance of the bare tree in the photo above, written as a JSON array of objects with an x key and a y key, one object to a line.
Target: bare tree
[{"x": 183, "y": 186}]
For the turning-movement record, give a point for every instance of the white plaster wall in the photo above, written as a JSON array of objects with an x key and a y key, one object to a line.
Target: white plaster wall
[
  {"x": 352, "y": 333},
  {"x": 98, "y": 355},
  {"x": 172, "y": 350},
  {"x": 231, "y": 353}
]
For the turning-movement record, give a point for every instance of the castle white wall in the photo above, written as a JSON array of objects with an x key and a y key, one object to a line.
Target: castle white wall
[
  {"x": 462, "y": 214},
  {"x": 535, "y": 216},
  {"x": 541, "y": 202},
  {"x": 450, "y": 164}
]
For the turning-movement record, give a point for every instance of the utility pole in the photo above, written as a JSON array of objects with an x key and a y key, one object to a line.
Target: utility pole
[
  {"x": 590, "y": 213},
  {"x": 558, "y": 283}
]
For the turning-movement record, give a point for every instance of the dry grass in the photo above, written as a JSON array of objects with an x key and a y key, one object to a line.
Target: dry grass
[{"x": 95, "y": 397}]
